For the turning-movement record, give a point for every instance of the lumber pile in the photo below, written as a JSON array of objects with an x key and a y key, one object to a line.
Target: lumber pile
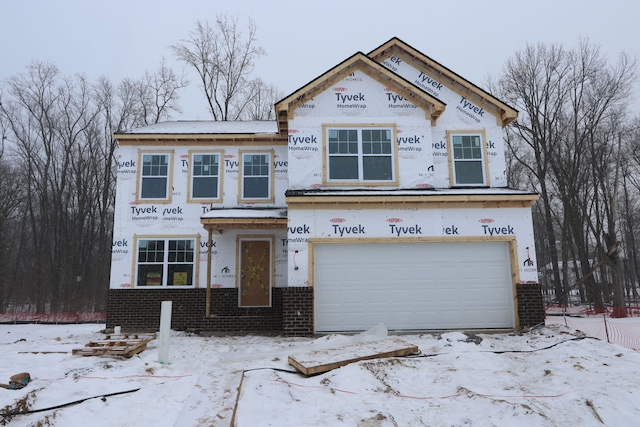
[{"x": 125, "y": 345}]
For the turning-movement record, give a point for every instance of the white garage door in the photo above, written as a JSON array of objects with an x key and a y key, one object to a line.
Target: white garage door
[{"x": 411, "y": 286}]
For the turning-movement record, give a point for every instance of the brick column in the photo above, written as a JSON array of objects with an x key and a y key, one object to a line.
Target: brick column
[
  {"x": 297, "y": 311},
  {"x": 530, "y": 304}
]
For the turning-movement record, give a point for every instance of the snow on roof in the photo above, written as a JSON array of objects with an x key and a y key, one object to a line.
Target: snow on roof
[
  {"x": 246, "y": 213},
  {"x": 207, "y": 127},
  {"x": 413, "y": 192}
]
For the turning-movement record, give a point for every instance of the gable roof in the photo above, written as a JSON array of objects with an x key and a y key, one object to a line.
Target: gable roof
[
  {"x": 455, "y": 82},
  {"x": 432, "y": 106}
]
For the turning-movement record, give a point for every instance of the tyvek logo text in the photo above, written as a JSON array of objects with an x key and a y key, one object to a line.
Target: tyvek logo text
[
  {"x": 348, "y": 230},
  {"x": 349, "y": 101}
]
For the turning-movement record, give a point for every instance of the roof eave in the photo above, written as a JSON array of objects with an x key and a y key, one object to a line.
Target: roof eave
[{"x": 221, "y": 138}]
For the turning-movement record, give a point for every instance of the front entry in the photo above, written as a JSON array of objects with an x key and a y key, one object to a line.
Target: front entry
[{"x": 255, "y": 271}]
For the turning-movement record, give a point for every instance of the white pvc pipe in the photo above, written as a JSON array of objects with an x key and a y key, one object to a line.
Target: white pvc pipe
[{"x": 163, "y": 336}]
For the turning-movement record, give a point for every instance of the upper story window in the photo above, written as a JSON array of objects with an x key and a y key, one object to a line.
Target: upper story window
[
  {"x": 204, "y": 176},
  {"x": 155, "y": 176},
  {"x": 361, "y": 154},
  {"x": 165, "y": 262},
  {"x": 256, "y": 170},
  {"x": 468, "y": 158}
]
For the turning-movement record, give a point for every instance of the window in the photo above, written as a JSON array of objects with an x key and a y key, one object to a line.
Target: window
[
  {"x": 256, "y": 179},
  {"x": 205, "y": 176},
  {"x": 165, "y": 262},
  {"x": 154, "y": 176},
  {"x": 468, "y": 159},
  {"x": 361, "y": 154}
]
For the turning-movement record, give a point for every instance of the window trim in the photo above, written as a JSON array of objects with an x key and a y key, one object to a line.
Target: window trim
[
  {"x": 484, "y": 161},
  {"x": 394, "y": 182},
  {"x": 218, "y": 199},
  {"x": 272, "y": 266},
  {"x": 139, "y": 177},
  {"x": 165, "y": 263},
  {"x": 241, "y": 198}
]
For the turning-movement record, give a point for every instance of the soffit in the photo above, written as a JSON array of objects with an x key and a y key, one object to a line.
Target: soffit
[{"x": 217, "y": 220}]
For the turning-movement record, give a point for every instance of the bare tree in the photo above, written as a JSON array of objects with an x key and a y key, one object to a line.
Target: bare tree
[
  {"x": 158, "y": 93},
  {"x": 571, "y": 104},
  {"x": 224, "y": 59},
  {"x": 534, "y": 81},
  {"x": 261, "y": 104},
  {"x": 630, "y": 172},
  {"x": 12, "y": 196},
  {"x": 59, "y": 187},
  {"x": 48, "y": 115}
]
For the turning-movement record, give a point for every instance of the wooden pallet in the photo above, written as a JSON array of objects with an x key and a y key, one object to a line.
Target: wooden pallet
[{"x": 119, "y": 345}]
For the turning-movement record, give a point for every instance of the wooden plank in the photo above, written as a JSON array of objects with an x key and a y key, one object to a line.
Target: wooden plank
[
  {"x": 130, "y": 351},
  {"x": 121, "y": 337},
  {"x": 319, "y": 361},
  {"x": 120, "y": 346},
  {"x": 124, "y": 341},
  {"x": 126, "y": 351}
]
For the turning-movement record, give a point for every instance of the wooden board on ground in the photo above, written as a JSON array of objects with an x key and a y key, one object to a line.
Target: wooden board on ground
[
  {"x": 319, "y": 361},
  {"x": 119, "y": 345}
]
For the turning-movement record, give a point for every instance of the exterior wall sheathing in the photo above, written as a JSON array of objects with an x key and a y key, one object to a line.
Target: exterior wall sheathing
[{"x": 422, "y": 161}]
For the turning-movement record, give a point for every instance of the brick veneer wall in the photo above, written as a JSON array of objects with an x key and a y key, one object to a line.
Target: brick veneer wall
[
  {"x": 226, "y": 316},
  {"x": 530, "y": 304},
  {"x": 290, "y": 314},
  {"x": 297, "y": 311},
  {"x": 139, "y": 310}
]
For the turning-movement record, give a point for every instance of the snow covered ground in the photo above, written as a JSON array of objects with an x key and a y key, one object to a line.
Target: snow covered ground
[{"x": 552, "y": 376}]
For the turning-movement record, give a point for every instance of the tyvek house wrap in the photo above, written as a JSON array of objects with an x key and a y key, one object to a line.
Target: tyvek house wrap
[
  {"x": 461, "y": 113},
  {"x": 448, "y": 224},
  {"x": 179, "y": 218},
  {"x": 421, "y": 146}
]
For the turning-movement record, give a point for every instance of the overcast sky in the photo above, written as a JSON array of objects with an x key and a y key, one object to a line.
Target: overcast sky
[{"x": 303, "y": 39}]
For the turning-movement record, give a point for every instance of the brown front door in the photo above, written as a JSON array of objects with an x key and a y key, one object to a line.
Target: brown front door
[{"x": 255, "y": 273}]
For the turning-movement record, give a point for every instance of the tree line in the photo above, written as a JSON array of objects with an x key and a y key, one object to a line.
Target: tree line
[
  {"x": 575, "y": 143},
  {"x": 58, "y": 180},
  {"x": 58, "y": 165}
]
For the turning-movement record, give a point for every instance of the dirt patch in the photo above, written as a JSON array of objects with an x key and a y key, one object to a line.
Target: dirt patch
[{"x": 21, "y": 405}]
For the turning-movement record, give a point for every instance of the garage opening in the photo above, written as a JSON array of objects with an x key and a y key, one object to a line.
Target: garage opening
[{"x": 413, "y": 286}]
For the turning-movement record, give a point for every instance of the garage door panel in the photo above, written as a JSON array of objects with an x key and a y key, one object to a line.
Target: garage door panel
[
  {"x": 332, "y": 297},
  {"x": 353, "y": 296},
  {"x": 437, "y": 286}
]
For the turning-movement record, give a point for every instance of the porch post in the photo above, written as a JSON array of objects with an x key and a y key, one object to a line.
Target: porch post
[{"x": 209, "y": 244}]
